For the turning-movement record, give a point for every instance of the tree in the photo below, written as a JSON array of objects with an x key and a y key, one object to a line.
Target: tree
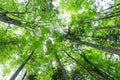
[
  {"x": 79, "y": 39},
  {"x": 21, "y": 67}
]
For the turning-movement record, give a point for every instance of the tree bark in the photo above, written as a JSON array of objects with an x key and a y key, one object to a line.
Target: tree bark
[{"x": 21, "y": 67}]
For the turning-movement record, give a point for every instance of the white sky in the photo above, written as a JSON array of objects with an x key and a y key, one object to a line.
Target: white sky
[
  {"x": 20, "y": 1},
  {"x": 103, "y": 3}
]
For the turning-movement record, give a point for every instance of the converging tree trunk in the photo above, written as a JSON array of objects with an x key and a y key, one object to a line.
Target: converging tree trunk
[
  {"x": 62, "y": 68},
  {"x": 107, "y": 49},
  {"x": 96, "y": 69},
  {"x": 83, "y": 67},
  {"x": 24, "y": 75},
  {"x": 21, "y": 67}
]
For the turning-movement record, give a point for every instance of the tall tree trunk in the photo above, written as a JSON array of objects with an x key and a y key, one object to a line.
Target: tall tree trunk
[
  {"x": 62, "y": 68},
  {"x": 107, "y": 49},
  {"x": 96, "y": 69},
  {"x": 21, "y": 67},
  {"x": 83, "y": 67}
]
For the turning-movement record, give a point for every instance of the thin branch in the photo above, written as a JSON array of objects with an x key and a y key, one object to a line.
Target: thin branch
[
  {"x": 111, "y": 7},
  {"x": 26, "y": 6},
  {"x": 107, "y": 27}
]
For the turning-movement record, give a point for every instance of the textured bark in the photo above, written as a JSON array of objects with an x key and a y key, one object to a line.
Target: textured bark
[{"x": 21, "y": 67}]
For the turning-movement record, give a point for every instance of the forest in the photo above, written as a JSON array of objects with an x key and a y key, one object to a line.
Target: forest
[{"x": 59, "y": 39}]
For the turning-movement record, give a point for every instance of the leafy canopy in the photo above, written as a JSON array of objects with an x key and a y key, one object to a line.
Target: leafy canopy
[{"x": 72, "y": 39}]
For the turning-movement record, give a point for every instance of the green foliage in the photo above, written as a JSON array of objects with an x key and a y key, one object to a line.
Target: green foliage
[{"x": 54, "y": 26}]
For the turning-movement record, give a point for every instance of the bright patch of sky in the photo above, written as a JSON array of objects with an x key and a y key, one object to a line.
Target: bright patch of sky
[
  {"x": 20, "y": 1},
  {"x": 112, "y": 57},
  {"x": 65, "y": 17},
  {"x": 56, "y": 3},
  {"x": 103, "y": 4},
  {"x": 18, "y": 32},
  {"x": 53, "y": 63},
  {"x": 1, "y": 72},
  {"x": 81, "y": 11},
  {"x": 70, "y": 66}
]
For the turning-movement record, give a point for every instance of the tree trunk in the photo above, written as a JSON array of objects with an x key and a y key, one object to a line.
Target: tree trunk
[
  {"x": 24, "y": 75},
  {"x": 96, "y": 69},
  {"x": 21, "y": 67},
  {"x": 62, "y": 68},
  {"x": 107, "y": 49},
  {"x": 85, "y": 69}
]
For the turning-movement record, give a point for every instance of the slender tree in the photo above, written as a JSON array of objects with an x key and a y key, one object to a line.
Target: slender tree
[
  {"x": 24, "y": 75},
  {"x": 21, "y": 66},
  {"x": 83, "y": 67},
  {"x": 54, "y": 25},
  {"x": 107, "y": 49},
  {"x": 96, "y": 69},
  {"x": 62, "y": 68}
]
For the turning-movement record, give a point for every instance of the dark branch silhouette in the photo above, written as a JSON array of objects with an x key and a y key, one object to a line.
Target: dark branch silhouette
[{"x": 21, "y": 66}]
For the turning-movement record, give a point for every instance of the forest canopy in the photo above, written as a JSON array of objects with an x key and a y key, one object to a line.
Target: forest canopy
[{"x": 59, "y": 39}]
